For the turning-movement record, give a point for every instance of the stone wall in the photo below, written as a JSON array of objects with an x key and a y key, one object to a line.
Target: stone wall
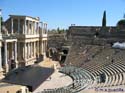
[
  {"x": 96, "y": 34},
  {"x": 56, "y": 40}
]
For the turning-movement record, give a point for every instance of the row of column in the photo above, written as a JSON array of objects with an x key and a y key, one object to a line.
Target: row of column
[
  {"x": 44, "y": 31},
  {"x": 29, "y": 27},
  {"x": 30, "y": 50},
  {"x": 33, "y": 49},
  {"x": 6, "y": 55},
  {"x": 14, "y": 54},
  {"x": 44, "y": 46}
]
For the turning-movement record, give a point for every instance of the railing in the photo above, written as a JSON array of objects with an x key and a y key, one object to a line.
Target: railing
[{"x": 9, "y": 36}]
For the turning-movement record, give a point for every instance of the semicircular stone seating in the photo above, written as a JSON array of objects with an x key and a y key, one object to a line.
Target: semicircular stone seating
[
  {"x": 119, "y": 69},
  {"x": 81, "y": 78},
  {"x": 89, "y": 61},
  {"x": 108, "y": 73},
  {"x": 114, "y": 75},
  {"x": 120, "y": 78}
]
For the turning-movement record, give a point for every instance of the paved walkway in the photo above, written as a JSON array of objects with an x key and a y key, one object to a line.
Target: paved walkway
[{"x": 56, "y": 80}]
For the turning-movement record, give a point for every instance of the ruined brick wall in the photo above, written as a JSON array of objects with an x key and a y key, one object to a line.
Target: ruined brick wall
[
  {"x": 56, "y": 40},
  {"x": 96, "y": 34}
]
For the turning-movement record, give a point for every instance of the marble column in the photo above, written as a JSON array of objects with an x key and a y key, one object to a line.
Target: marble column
[
  {"x": 34, "y": 49},
  {"x": 0, "y": 60},
  {"x": 38, "y": 47},
  {"x": 44, "y": 49},
  {"x": 46, "y": 46},
  {"x": 41, "y": 31},
  {"x": 18, "y": 50},
  {"x": 31, "y": 27},
  {"x": 15, "y": 53},
  {"x": 11, "y": 25},
  {"x": 42, "y": 46},
  {"x": 28, "y": 48},
  {"x": 37, "y": 28},
  {"x": 28, "y": 27},
  {"x": 18, "y": 25},
  {"x": 5, "y": 57},
  {"x": 34, "y": 28},
  {"x": 24, "y": 30},
  {"x": 45, "y": 28},
  {"x": 24, "y": 51},
  {"x": 11, "y": 51}
]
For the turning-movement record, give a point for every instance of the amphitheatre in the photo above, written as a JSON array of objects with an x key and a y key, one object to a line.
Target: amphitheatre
[
  {"x": 84, "y": 59},
  {"x": 94, "y": 59}
]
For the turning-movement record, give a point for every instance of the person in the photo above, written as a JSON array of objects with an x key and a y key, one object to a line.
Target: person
[
  {"x": 112, "y": 60},
  {"x": 9, "y": 63}
]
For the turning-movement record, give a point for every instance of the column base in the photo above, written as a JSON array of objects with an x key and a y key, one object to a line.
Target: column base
[
  {"x": 1, "y": 70},
  {"x": 6, "y": 68},
  {"x": 1, "y": 74},
  {"x": 17, "y": 65},
  {"x": 44, "y": 56}
]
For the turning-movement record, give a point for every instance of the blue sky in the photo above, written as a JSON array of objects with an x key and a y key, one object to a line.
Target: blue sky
[{"x": 63, "y": 13}]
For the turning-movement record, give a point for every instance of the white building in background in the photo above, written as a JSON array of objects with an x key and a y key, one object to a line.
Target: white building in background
[{"x": 23, "y": 41}]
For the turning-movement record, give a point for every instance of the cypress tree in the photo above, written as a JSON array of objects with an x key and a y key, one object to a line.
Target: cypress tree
[
  {"x": 104, "y": 19},
  {"x": 124, "y": 16},
  {"x": 0, "y": 20}
]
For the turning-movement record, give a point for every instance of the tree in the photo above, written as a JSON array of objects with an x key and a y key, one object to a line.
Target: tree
[
  {"x": 1, "y": 19},
  {"x": 124, "y": 16},
  {"x": 58, "y": 31},
  {"x": 104, "y": 19}
]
